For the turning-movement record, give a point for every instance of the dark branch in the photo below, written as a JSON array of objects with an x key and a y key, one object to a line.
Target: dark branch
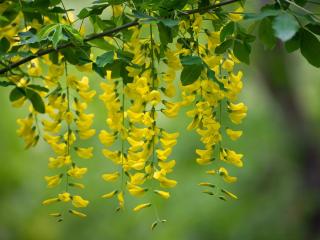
[
  {"x": 104, "y": 34},
  {"x": 206, "y": 9}
]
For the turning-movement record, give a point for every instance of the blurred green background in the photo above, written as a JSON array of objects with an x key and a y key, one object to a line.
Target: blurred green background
[{"x": 278, "y": 187}]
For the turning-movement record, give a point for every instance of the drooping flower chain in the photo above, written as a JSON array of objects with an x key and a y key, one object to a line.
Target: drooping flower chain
[{"x": 143, "y": 161}]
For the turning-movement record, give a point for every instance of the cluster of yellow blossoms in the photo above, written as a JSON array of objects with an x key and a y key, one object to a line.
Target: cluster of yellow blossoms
[
  {"x": 211, "y": 99},
  {"x": 132, "y": 118},
  {"x": 134, "y": 141},
  {"x": 67, "y": 115}
]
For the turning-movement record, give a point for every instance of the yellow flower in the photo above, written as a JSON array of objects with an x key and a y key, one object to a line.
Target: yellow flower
[
  {"x": 172, "y": 109},
  {"x": 206, "y": 184},
  {"x": 205, "y": 156},
  {"x": 142, "y": 206},
  {"x": 138, "y": 178},
  {"x": 134, "y": 117},
  {"x": 85, "y": 153},
  {"x": 120, "y": 200},
  {"x": 228, "y": 65},
  {"x": 237, "y": 15},
  {"x": 79, "y": 202},
  {"x": 169, "y": 90},
  {"x": 168, "y": 143},
  {"x": 135, "y": 145},
  {"x": 135, "y": 190},
  {"x": 18, "y": 103},
  {"x": 64, "y": 197},
  {"x": 237, "y": 112},
  {"x": 154, "y": 97},
  {"x": 50, "y": 201},
  {"x": 110, "y": 194},
  {"x": 110, "y": 177},
  {"x": 167, "y": 135},
  {"x": 68, "y": 117},
  {"x": 55, "y": 214},
  {"x": 225, "y": 175},
  {"x": 106, "y": 138},
  {"x": 34, "y": 68},
  {"x": 78, "y": 214},
  {"x": 229, "y": 194},
  {"x": 87, "y": 95},
  {"x": 117, "y": 10},
  {"x": 164, "y": 182},
  {"x": 87, "y": 133},
  {"x": 59, "y": 161},
  {"x": 163, "y": 154},
  {"x": 77, "y": 172},
  {"x": 231, "y": 157},
  {"x": 53, "y": 181},
  {"x": 167, "y": 166},
  {"x": 77, "y": 185},
  {"x": 234, "y": 135},
  {"x": 162, "y": 194},
  {"x": 83, "y": 84},
  {"x": 211, "y": 172}
]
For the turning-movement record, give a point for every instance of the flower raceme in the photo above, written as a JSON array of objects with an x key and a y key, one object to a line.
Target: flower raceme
[{"x": 133, "y": 138}]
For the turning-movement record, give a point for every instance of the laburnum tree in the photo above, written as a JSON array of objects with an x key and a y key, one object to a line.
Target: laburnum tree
[{"x": 152, "y": 58}]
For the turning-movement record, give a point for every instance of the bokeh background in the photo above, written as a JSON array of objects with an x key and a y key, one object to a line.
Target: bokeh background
[{"x": 278, "y": 187}]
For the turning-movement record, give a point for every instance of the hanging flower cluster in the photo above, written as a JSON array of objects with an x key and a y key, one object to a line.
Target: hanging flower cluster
[
  {"x": 67, "y": 121},
  {"x": 144, "y": 156},
  {"x": 212, "y": 94},
  {"x": 139, "y": 87}
]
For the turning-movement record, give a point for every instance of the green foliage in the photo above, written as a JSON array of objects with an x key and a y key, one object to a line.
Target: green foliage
[
  {"x": 192, "y": 67},
  {"x": 294, "y": 29},
  {"x": 310, "y": 47},
  {"x": 36, "y": 100},
  {"x": 242, "y": 51},
  {"x": 285, "y": 26},
  {"x": 282, "y": 21}
]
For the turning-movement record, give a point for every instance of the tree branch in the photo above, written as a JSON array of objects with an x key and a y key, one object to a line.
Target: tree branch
[
  {"x": 110, "y": 32},
  {"x": 206, "y": 9}
]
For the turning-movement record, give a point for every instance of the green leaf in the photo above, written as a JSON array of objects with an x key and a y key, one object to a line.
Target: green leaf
[
  {"x": 170, "y": 22},
  {"x": 102, "y": 44},
  {"x": 301, "y": 2},
  {"x": 310, "y": 47},
  {"x": 84, "y": 13},
  {"x": 227, "y": 31},
  {"x": 105, "y": 59},
  {"x": 36, "y": 100},
  {"x": 293, "y": 44},
  {"x": 77, "y": 55},
  {"x": 261, "y": 15},
  {"x": 4, "y": 45},
  {"x": 285, "y": 26},
  {"x": 124, "y": 74},
  {"x": 3, "y": 19},
  {"x": 165, "y": 34},
  {"x": 211, "y": 75},
  {"x": 46, "y": 31},
  {"x": 241, "y": 51},
  {"x": 315, "y": 28},
  {"x": 222, "y": 48},
  {"x": 266, "y": 33},
  {"x": 57, "y": 36},
  {"x": 73, "y": 34},
  {"x": 6, "y": 84},
  {"x": 190, "y": 74},
  {"x": 16, "y": 94},
  {"x": 38, "y": 88},
  {"x": 191, "y": 60}
]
